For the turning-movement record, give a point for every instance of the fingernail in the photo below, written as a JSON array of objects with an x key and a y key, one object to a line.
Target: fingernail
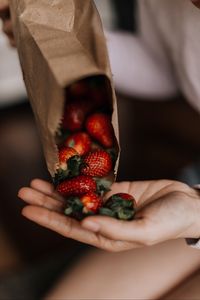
[{"x": 92, "y": 226}]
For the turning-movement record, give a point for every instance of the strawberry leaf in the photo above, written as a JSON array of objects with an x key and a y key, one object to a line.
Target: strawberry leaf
[
  {"x": 125, "y": 214},
  {"x": 107, "y": 212},
  {"x": 113, "y": 153},
  {"x": 71, "y": 143},
  {"x": 115, "y": 202},
  {"x": 68, "y": 211},
  {"x": 74, "y": 208},
  {"x": 60, "y": 176},
  {"x": 73, "y": 166},
  {"x": 122, "y": 209},
  {"x": 75, "y": 203},
  {"x": 103, "y": 185}
]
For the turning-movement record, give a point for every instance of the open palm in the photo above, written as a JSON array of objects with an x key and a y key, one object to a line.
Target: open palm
[{"x": 165, "y": 210}]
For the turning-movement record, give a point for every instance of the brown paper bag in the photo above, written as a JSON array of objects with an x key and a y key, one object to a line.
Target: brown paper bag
[{"x": 59, "y": 42}]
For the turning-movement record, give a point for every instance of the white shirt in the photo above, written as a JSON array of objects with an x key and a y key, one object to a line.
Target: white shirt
[
  {"x": 12, "y": 89},
  {"x": 164, "y": 56}
]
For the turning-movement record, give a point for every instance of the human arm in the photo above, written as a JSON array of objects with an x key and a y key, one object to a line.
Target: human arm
[
  {"x": 141, "y": 62},
  {"x": 136, "y": 71},
  {"x": 166, "y": 210}
]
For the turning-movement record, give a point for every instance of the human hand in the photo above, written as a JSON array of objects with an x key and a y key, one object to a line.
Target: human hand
[
  {"x": 166, "y": 210},
  {"x": 196, "y": 3},
  {"x": 7, "y": 23}
]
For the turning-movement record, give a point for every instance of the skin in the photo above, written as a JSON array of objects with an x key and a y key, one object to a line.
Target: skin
[
  {"x": 7, "y": 24},
  {"x": 165, "y": 210}
]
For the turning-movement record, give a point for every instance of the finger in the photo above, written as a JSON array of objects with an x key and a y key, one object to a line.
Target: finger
[
  {"x": 46, "y": 188},
  {"x": 7, "y": 28},
  {"x": 134, "y": 188},
  {"x": 145, "y": 192},
  {"x": 132, "y": 231},
  {"x": 35, "y": 197},
  {"x": 71, "y": 228},
  {"x": 61, "y": 224},
  {"x": 142, "y": 191}
]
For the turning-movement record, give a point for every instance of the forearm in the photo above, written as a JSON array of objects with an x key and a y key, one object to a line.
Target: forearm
[{"x": 136, "y": 71}]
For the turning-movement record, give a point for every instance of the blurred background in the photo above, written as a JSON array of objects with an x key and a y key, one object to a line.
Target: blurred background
[{"x": 158, "y": 140}]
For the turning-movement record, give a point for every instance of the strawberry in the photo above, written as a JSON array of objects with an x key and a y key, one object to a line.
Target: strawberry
[
  {"x": 95, "y": 146},
  {"x": 82, "y": 206},
  {"x": 68, "y": 165},
  {"x": 97, "y": 164},
  {"x": 92, "y": 202},
  {"x": 120, "y": 206},
  {"x": 122, "y": 196},
  {"x": 98, "y": 91},
  {"x": 77, "y": 186},
  {"x": 79, "y": 89},
  {"x": 75, "y": 114},
  {"x": 99, "y": 127},
  {"x": 80, "y": 141},
  {"x": 122, "y": 199},
  {"x": 65, "y": 154}
]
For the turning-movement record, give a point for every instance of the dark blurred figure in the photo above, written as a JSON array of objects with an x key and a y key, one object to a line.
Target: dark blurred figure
[{"x": 126, "y": 14}]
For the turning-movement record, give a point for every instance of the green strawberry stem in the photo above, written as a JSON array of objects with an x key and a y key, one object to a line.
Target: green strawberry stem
[
  {"x": 59, "y": 176},
  {"x": 103, "y": 211},
  {"x": 103, "y": 185},
  {"x": 73, "y": 169},
  {"x": 119, "y": 208},
  {"x": 125, "y": 214},
  {"x": 114, "y": 154},
  {"x": 73, "y": 166},
  {"x": 68, "y": 211},
  {"x": 74, "y": 208},
  {"x": 118, "y": 202}
]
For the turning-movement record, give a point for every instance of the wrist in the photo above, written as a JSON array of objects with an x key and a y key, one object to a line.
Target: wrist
[
  {"x": 194, "y": 230},
  {"x": 195, "y": 242}
]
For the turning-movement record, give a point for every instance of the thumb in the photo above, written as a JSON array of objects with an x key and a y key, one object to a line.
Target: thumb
[{"x": 132, "y": 231}]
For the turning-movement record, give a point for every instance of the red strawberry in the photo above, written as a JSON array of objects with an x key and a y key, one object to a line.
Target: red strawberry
[
  {"x": 120, "y": 206},
  {"x": 99, "y": 127},
  {"x": 81, "y": 142},
  {"x": 95, "y": 146},
  {"x": 123, "y": 196},
  {"x": 79, "y": 89},
  {"x": 97, "y": 163},
  {"x": 122, "y": 199},
  {"x": 68, "y": 165},
  {"x": 77, "y": 186},
  {"x": 66, "y": 153},
  {"x": 98, "y": 90},
  {"x": 75, "y": 114},
  {"x": 92, "y": 202}
]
